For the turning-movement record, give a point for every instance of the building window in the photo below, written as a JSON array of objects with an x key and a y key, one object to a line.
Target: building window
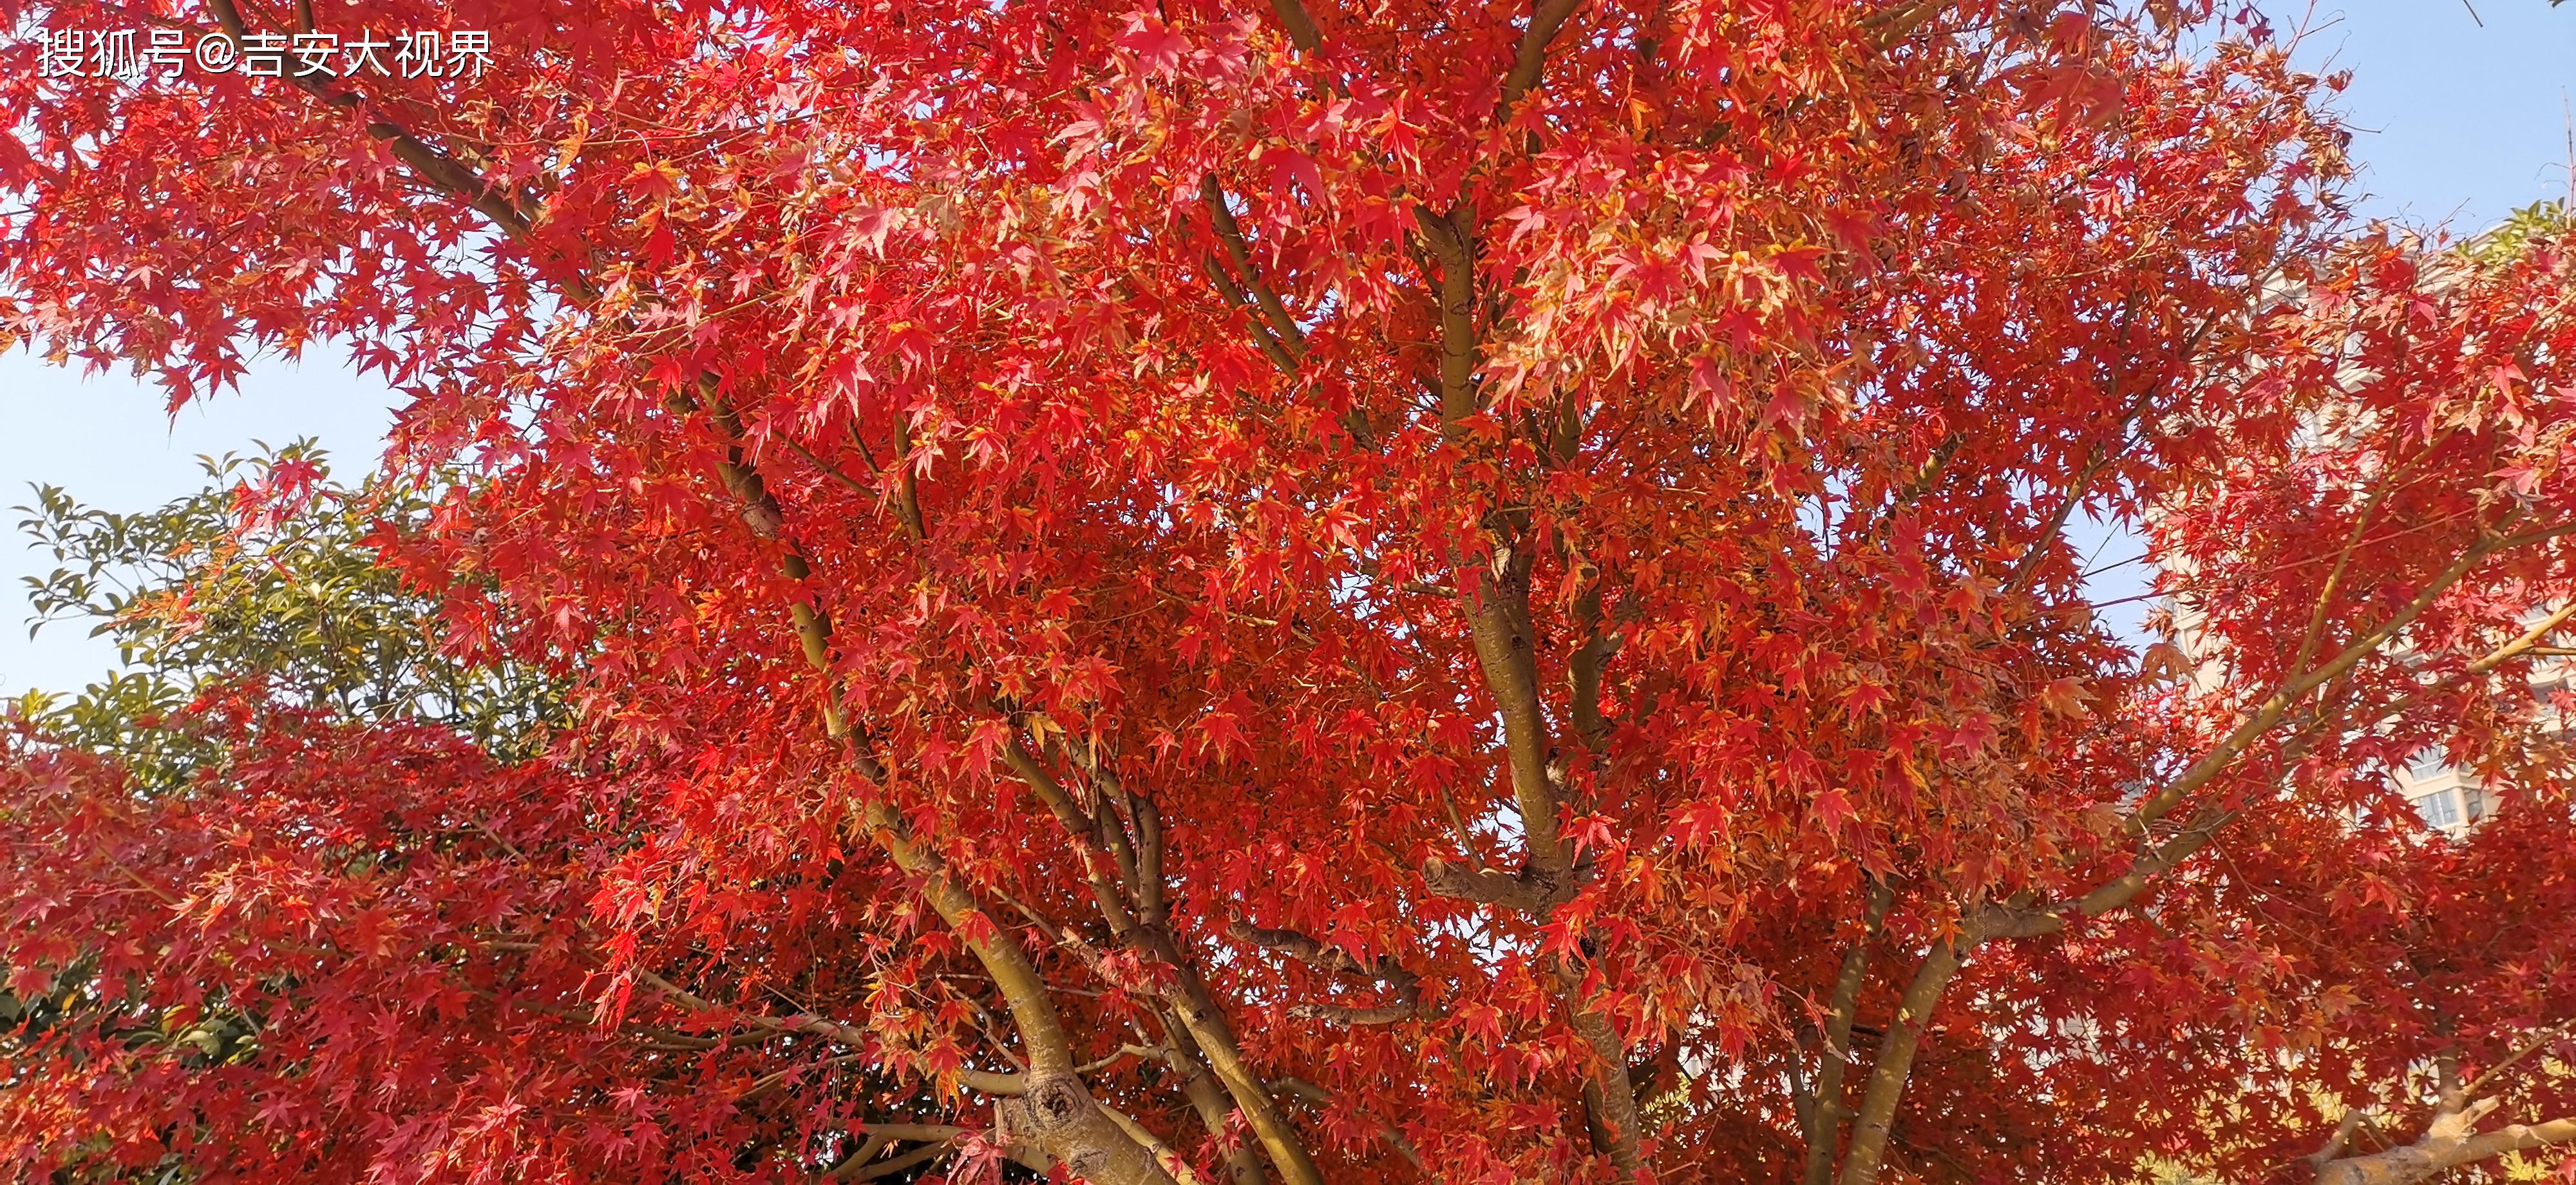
[
  {"x": 2439, "y": 809},
  {"x": 2475, "y": 798},
  {"x": 2427, "y": 766}
]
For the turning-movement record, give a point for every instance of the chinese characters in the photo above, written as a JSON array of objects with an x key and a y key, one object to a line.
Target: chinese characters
[{"x": 167, "y": 53}]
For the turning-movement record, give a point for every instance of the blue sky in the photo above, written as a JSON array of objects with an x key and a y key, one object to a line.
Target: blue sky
[
  {"x": 2462, "y": 115},
  {"x": 2457, "y": 122}
]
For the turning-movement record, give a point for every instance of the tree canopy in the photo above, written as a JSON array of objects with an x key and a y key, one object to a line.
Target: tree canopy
[
  {"x": 1324, "y": 593},
  {"x": 268, "y": 582}
]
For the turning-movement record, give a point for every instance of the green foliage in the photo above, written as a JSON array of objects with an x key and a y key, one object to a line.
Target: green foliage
[
  {"x": 266, "y": 576},
  {"x": 2539, "y": 220}
]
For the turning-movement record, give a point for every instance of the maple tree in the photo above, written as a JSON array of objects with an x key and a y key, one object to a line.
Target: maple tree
[{"x": 1324, "y": 593}]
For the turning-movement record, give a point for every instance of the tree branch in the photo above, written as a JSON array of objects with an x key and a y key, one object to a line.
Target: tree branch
[
  {"x": 1495, "y": 600},
  {"x": 1171, "y": 1161},
  {"x": 1529, "y": 58},
  {"x": 1825, "y": 1117},
  {"x": 1210, "y": 1034},
  {"x": 2450, "y": 1140},
  {"x": 2537, "y": 1042},
  {"x": 1283, "y": 325},
  {"x": 438, "y": 169},
  {"x": 1584, "y": 669},
  {"x": 1299, "y": 1088},
  {"x": 871, "y": 1172},
  {"x": 1406, "y": 986},
  {"x": 1299, "y": 26},
  {"x": 1895, "y": 1062},
  {"x": 2277, "y": 705},
  {"x": 1207, "y": 1098}
]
